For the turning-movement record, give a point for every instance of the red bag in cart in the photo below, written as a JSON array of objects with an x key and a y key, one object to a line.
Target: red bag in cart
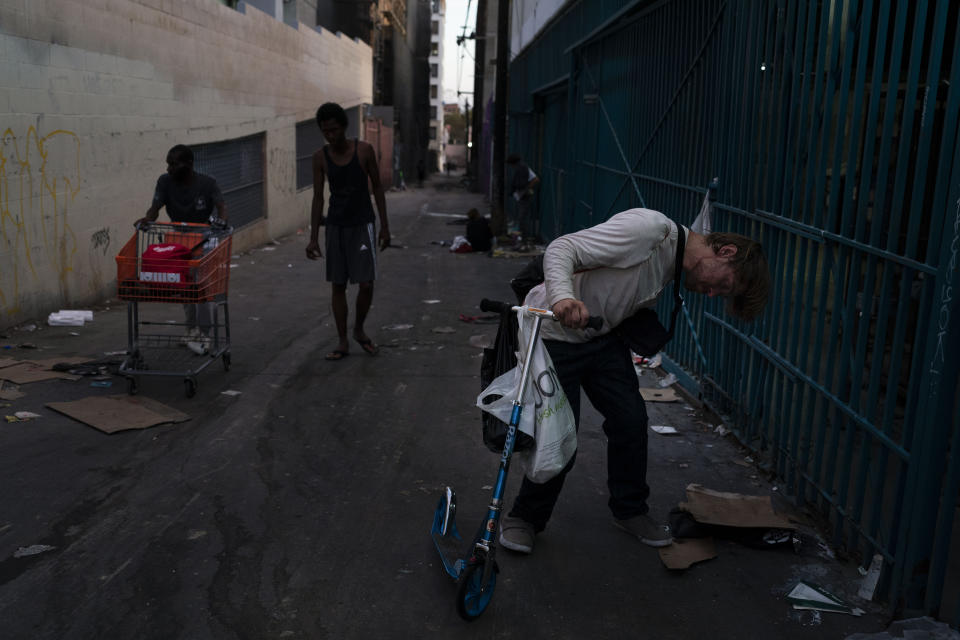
[{"x": 166, "y": 263}]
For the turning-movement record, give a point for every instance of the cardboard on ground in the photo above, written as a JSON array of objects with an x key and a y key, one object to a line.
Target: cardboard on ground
[
  {"x": 119, "y": 412},
  {"x": 659, "y": 395},
  {"x": 732, "y": 509},
  {"x": 685, "y": 552}
]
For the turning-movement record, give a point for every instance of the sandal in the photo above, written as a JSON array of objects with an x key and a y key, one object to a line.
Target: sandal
[
  {"x": 368, "y": 346},
  {"x": 337, "y": 354}
]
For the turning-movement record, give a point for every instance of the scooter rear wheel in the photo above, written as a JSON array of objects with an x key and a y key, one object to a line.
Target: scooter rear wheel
[{"x": 472, "y": 595}]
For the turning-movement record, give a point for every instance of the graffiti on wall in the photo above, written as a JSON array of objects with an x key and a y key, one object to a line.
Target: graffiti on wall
[{"x": 39, "y": 180}]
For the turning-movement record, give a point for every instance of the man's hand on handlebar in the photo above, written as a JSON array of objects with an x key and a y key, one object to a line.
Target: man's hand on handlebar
[{"x": 571, "y": 313}]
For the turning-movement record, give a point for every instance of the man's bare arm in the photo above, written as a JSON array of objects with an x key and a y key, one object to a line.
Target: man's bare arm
[
  {"x": 373, "y": 171},
  {"x": 316, "y": 207}
]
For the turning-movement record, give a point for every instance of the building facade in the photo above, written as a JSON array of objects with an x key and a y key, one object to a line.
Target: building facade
[
  {"x": 91, "y": 99},
  {"x": 435, "y": 146}
]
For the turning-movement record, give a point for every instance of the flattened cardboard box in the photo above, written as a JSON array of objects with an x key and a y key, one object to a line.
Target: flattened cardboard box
[{"x": 119, "y": 412}]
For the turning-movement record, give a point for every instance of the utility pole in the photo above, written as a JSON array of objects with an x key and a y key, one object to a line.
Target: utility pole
[
  {"x": 479, "y": 100},
  {"x": 497, "y": 218}
]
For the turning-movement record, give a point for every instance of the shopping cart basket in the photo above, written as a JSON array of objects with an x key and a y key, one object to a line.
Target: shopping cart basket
[{"x": 180, "y": 263}]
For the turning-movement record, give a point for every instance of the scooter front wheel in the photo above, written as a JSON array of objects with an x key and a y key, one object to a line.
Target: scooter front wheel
[{"x": 473, "y": 595}]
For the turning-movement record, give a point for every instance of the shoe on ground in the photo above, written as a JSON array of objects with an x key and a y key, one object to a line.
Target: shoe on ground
[
  {"x": 646, "y": 530},
  {"x": 200, "y": 345},
  {"x": 516, "y": 534},
  {"x": 190, "y": 336}
]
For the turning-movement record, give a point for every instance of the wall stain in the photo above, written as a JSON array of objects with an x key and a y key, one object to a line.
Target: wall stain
[{"x": 39, "y": 180}]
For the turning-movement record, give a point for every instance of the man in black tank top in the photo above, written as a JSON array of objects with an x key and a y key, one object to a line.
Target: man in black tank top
[{"x": 350, "y": 238}]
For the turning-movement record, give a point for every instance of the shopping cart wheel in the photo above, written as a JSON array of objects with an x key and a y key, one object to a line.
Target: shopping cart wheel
[
  {"x": 132, "y": 386},
  {"x": 226, "y": 361},
  {"x": 191, "y": 386}
]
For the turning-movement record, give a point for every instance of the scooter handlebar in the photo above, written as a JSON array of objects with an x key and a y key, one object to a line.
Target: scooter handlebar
[{"x": 493, "y": 306}]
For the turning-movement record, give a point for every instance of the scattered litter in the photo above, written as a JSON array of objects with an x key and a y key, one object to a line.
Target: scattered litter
[
  {"x": 268, "y": 249},
  {"x": 668, "y": 380},
  {"x": 69, "y": 318},
  {"x": 27, "y": 345},
  {"x": 101, "y": 383},
  {"x": 481, "y": 341},
  {"x": 10, "y": 394},
  {"x": 115, "y": 353},
  {"x": 486, "y": 487},
  {"x": 289, "y": 265},
  {"x": 119, "y": 412},
  {"x": 444, "y": 330},
  {"x": 687, "y": 551},
  {"x": 254, "y": 318},
  {"x": 29, "y": 327},
  {"x": 732, "y": 509},
  {"x": 396, "y": 327},
  {"x": 230, "y": 392},
  {"x": 871, "y": 577},
  {"x": 32, "y": 550},
  {"x": 26, "y": 415},
  {"x": 659, "y": 395},
  {"x": 664, "y": 430},
  {"x": 234, "y": 265},
  {"x": 74, "y": 333},
  {"x": 429, "y": 301},
  {"x": 721, "y": 430},
  {"x": 816, "y": 598}
]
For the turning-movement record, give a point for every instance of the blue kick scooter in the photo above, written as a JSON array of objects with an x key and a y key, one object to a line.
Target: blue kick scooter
[{"x": 476, "y": 571}]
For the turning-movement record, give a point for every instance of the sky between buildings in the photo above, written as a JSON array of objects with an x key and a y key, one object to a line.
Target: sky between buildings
[{"x": 458, "y": 61}]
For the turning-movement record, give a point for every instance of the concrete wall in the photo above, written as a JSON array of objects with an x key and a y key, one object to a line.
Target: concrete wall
[{"x": 94, "y": 92}]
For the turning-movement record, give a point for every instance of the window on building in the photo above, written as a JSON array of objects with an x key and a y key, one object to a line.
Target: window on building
[
  {"x": 237, "y": 166},
  {"x": 433, "y": 70},
  {"x": 435, "y": 27},
  {"x": 434, "y": 48},
  {"x": 433, "y": 91},
  {"x": 433, "y": 133},
  {"x": 435, "y": 6}
]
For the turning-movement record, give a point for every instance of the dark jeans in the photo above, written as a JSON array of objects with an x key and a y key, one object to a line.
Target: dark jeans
[{"x": 603, "y": 368}]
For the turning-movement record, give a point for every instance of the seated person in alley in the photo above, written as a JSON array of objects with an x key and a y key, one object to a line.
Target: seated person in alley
[{"x": 188, "y": 197}]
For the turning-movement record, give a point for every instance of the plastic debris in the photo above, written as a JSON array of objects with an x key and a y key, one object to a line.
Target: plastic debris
[
  {"x": 26, "y": 415},
  {"x": 871, "y": 577},
  {"x": 481, "y": 341},
  {"x": 429, "y": 301},
  {"x": 397, "y": 327},
  {"x": 230, "y": 392},
  {"x": 815, "y": 598},
  {"x": 668, "y": 380},
  {"x": 664, "y": 430},
  {"x": 32, "y": 550},
  {"x": 69, "y": 318},
  {"x": 444, "y": 330},
  {"x": 101, "y": 383}
]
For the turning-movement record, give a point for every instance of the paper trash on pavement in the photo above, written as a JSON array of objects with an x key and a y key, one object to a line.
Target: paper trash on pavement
[
  {"x": 687, "y": 551},
  {"x": 664, "y": 430},
  {"x": 659, "y": 395},
  {"x": 814, "y": 597},
  {"x": 732, "y": 509}
]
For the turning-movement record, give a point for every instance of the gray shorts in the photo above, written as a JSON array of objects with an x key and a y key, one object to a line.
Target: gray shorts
[{"x": 351, "y": 253}]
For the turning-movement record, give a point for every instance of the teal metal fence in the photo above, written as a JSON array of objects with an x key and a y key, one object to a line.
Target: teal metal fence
[{"x": 832, "y": 129}]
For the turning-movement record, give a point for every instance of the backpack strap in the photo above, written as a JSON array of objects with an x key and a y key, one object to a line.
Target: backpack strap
[{"x": 677, "y": 274}]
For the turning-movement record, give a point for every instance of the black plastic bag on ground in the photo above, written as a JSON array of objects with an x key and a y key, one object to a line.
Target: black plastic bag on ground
[{"x": 497, "y": 361}]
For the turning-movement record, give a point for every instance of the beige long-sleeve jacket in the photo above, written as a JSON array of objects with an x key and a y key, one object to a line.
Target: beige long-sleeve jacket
[{"x": 615, "y": 268}]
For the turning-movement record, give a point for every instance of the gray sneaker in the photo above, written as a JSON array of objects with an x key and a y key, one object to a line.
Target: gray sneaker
[
  {"x": 516, "y": 534},
  {"x": 646, "y": 530}
]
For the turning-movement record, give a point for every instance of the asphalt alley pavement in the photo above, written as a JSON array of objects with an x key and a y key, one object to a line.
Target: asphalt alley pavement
[{"x": 301, "y": 506}]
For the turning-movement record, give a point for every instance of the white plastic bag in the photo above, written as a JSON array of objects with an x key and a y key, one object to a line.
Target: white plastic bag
[{"x": 546, "y": 411}]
